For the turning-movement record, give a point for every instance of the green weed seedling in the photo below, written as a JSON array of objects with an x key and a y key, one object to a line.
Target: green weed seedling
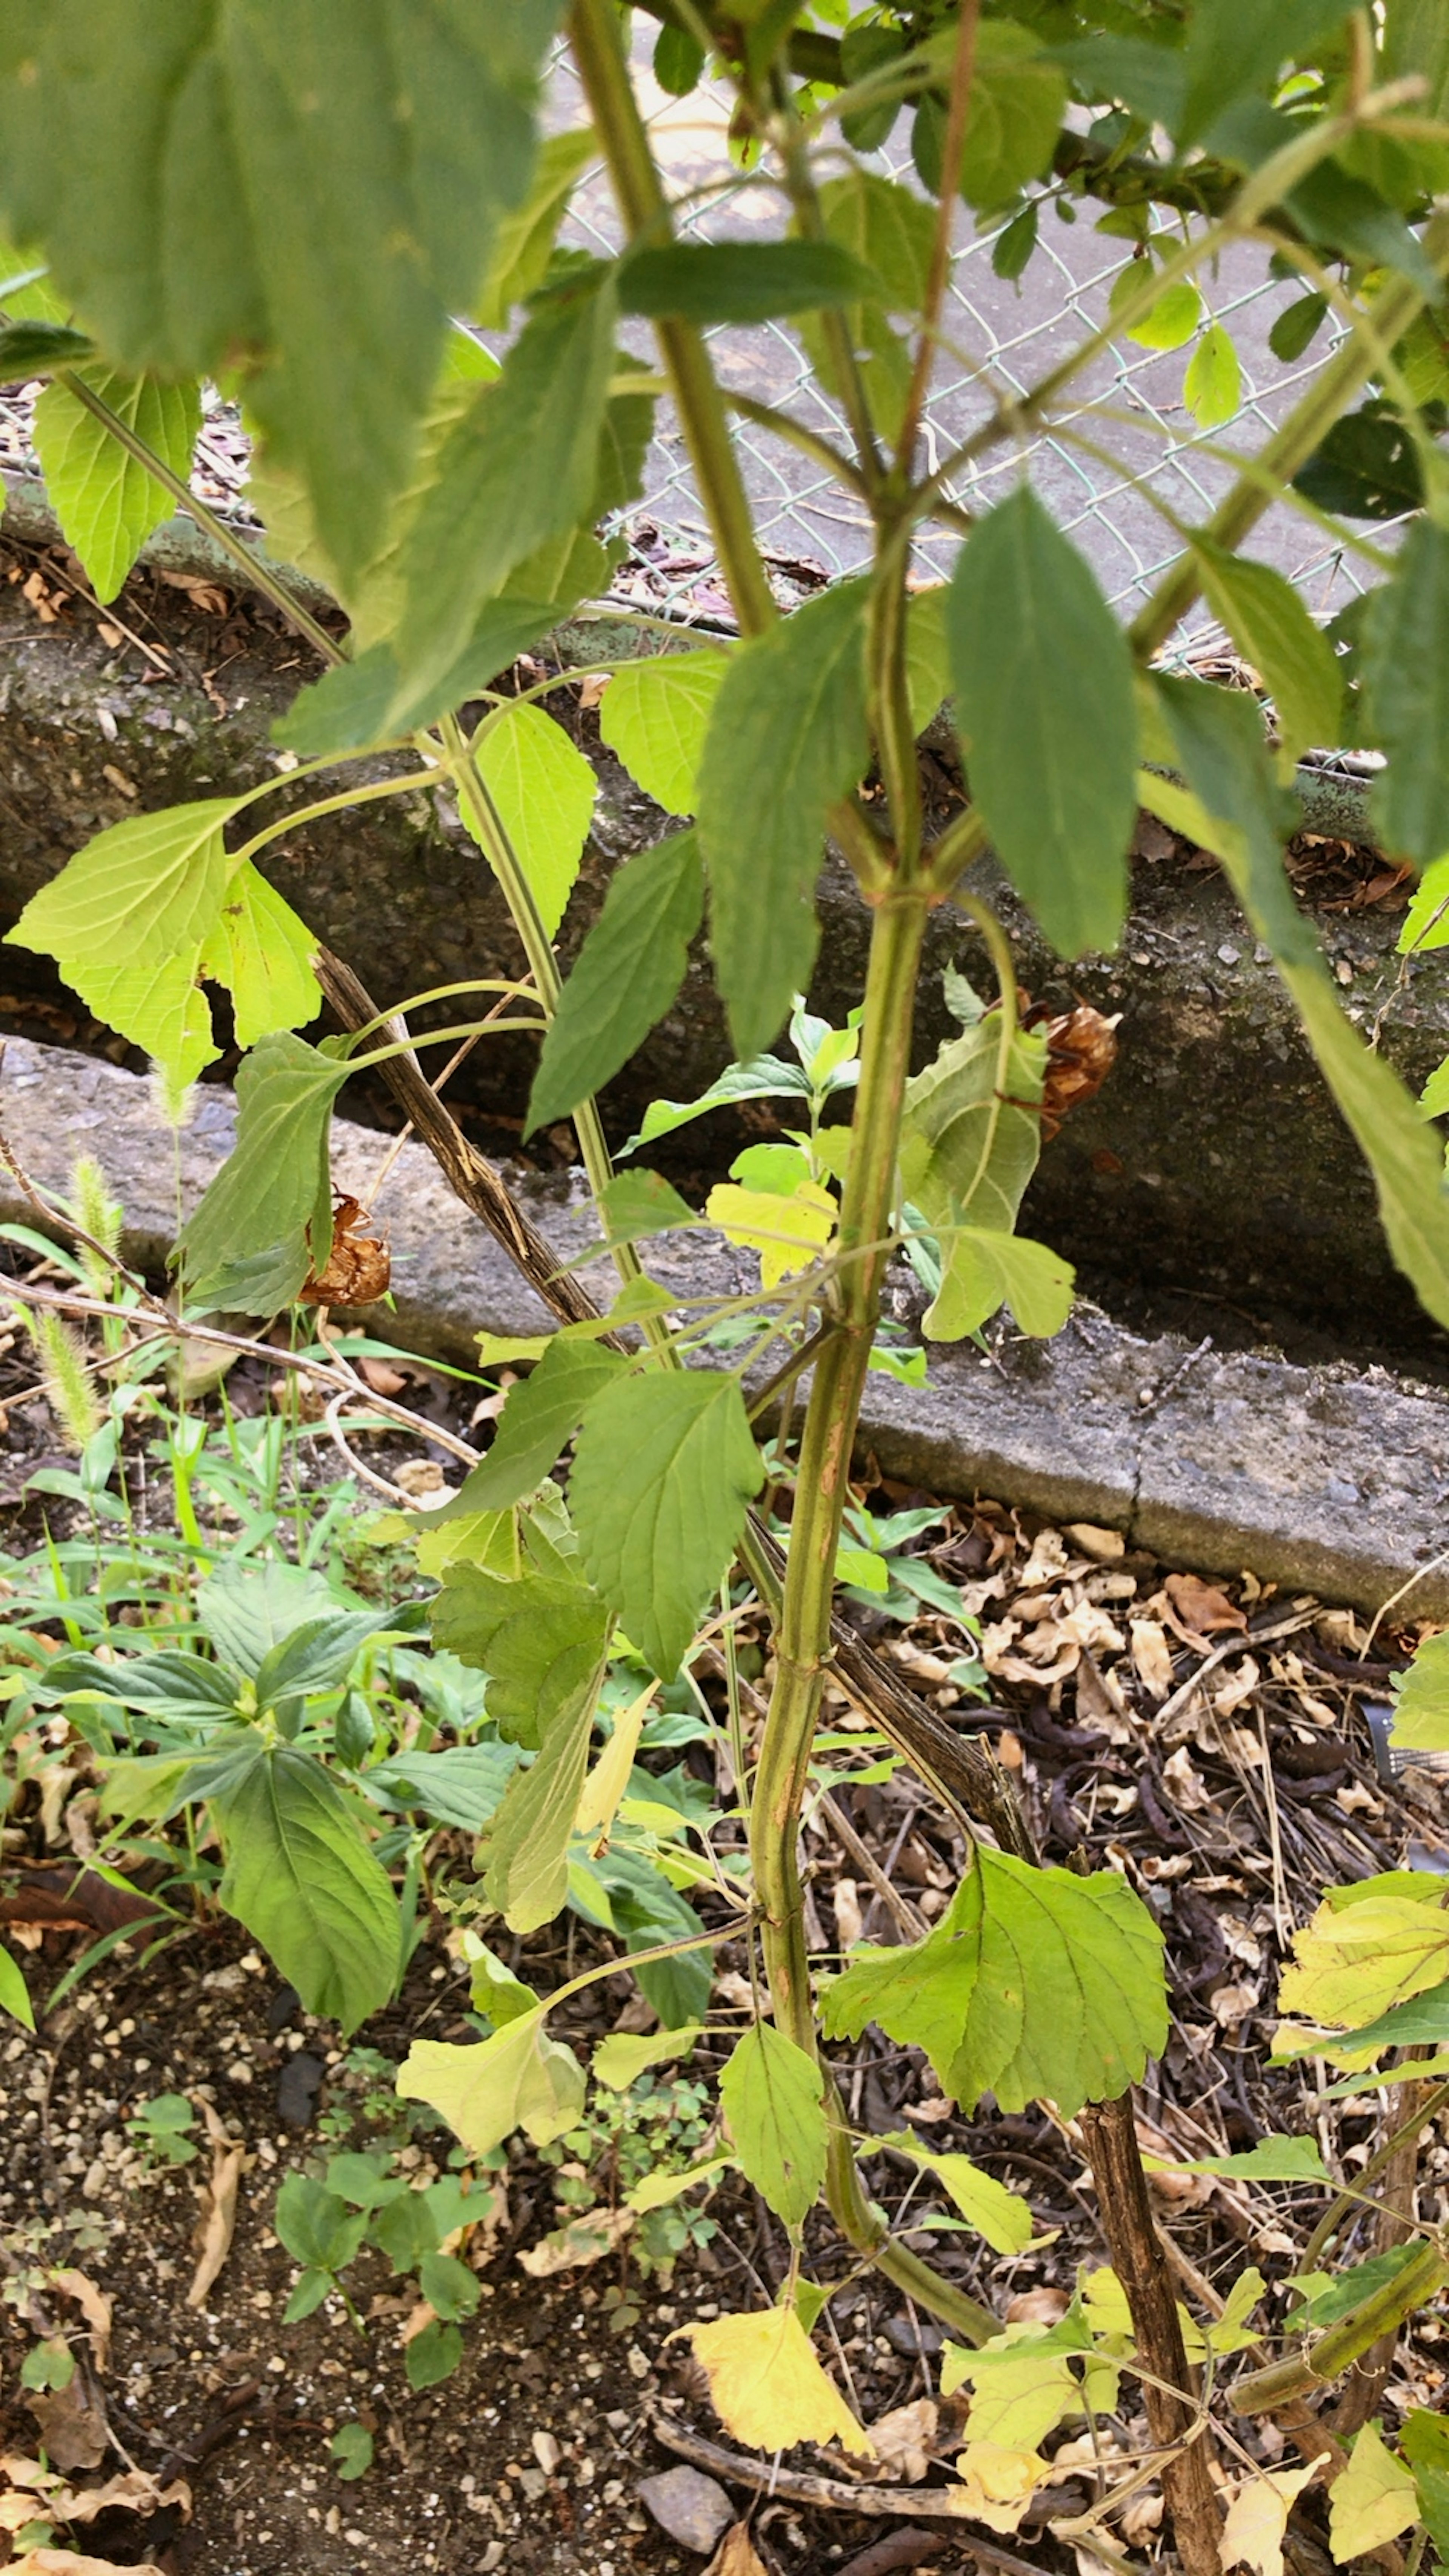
[{"x": 161, "y": 2129}]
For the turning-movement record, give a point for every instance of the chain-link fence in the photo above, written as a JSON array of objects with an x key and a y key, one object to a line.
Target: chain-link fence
[{"x": 1122, "y": 468}]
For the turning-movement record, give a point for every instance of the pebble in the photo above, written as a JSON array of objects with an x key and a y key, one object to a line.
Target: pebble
[{"x": 692, "y": 2508}]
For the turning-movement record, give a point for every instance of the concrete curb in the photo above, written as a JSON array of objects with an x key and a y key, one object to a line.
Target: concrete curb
[{"x": 1333, "y": 1479}]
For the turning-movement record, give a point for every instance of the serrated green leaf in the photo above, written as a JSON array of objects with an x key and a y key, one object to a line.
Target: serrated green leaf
[
  {"x": 1406, "y": 681},
  {"x": 106, "y": 502},
  {"x": 246, "y": 1243},
  {"x": 1353, "y": 1962},
  {"x": 538, "y": 1639},
  {"x": 308, "y": 1886},
  {"x": 1371, "y": 2501},
  {"x": 1045, "y": 709},
  {"x": 655, "y": 716},
  {"x": 664, "y": 1468},
  {"x": 263, "y": 954},
  {"x": 1002, "y": 2217},
  {"x": 1421, "y": 1699},
  {"x": 159, "y": 1006},
  {"x": 624, "y": 978},
  {"x": 524, "y": 241},
  {"x": 983, "y": 1271},
  {"x": 14, "y": 1995},
  {"x": 543, "y": 790},
  {"x": 786, "y": 740},
  {"x": 322, "y": 189},
  {"x": 707, "y": 282},
  {"x": 1018, "y": 98},
  {"x": 1272, "y": 629},
  {"x": 519, "y": 468},
  {"x": 770, "y": 2093},
  {"x": 1035, "y": 1984},
  {"x": 764, "y": 1077},
  {"x": 542, "y": 1414},
  {"x": 518, "y": 2079},
  {"x": 151, "y": 886},
  {"x": 625, "y": 2055},
  {"x": 1212, "y": 388}
]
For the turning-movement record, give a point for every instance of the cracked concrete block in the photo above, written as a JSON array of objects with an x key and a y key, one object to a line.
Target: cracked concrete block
[{"x": 1333, "y": 1480}]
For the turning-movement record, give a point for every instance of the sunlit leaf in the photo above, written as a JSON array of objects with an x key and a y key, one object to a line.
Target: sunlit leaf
[
  {"x": 151, "y": 886},
  {"x": 1212, "y": 388},
  {"x": 543, "y": 792},
  {"x": 655, "y": 716},
  {"x": 1366, "y": 1949},
  {"x": 14, "y": 1997},
  {"x": 106, "y": 502},
  {"x": 1002, "y": 2217},
  {"x": 518, "y": 2079},
  {"x": 264, "y": 955},
  {"x": 768, "y": 2386},
  {"x": 538, "y": 1639},
  {"x": 625, "y": 2055},
  {"x": 1421, "y": 1699},
  {"x": 789, "y": 1234},
  {"x": 1272, "y": 629}
]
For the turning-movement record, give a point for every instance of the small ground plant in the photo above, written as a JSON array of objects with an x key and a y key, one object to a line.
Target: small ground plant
[{"x": 390, "y": 214}]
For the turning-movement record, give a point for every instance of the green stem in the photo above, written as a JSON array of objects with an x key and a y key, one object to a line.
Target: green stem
[{"x": 1379, "y": 2314}]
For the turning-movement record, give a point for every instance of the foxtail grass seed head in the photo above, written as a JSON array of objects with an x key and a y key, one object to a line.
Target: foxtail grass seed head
[
  {"x": 66, "y": 1378},
  {"x": 100, "y": 1214}
]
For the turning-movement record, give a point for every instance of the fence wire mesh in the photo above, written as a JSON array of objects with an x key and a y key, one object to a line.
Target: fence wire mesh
[{"x": 1123, "y": 467}]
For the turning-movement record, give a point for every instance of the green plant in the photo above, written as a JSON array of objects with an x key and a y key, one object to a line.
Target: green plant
[
  {"x": 161, "y": 2129},
  {"x": 453, "y": 500},
  {"x": 365, "y": 2202}
]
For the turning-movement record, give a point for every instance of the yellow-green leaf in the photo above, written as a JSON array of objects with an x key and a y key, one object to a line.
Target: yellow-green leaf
[
  {"x": 1421, "y": 1699},
  {"x": 1212, "y": 389},
  {"x": 518, "y": 2079},
  {"x": 263, "y": 954},
  {"x": 1356, "y": 1959},
  {"x": 655, "y": 716},
  {"x": 544, "y": 791},
  {"x": 770, "y": 2093},
  {"x": 768, "y": 2386},
  {"x": 788, "y": 1233},
  {"x": 106, "y": 502},
  {"x": 149, "y": 887},
  {"x": 1371, "y": 2501}
]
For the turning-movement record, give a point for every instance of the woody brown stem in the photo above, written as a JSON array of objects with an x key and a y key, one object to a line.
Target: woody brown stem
[{"x": 1173, "y": 2415}]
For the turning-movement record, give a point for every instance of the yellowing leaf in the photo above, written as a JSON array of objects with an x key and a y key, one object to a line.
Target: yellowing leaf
[
  {"x": 1258, "y": 2517},
  {"x": 1351, "y": 1962},
  {"x": 1212, "y": 389},
  {"x": 1372, "y": 2500},
  {"x": 1028, "y": 2380},
  {"x": 518, "y": 2079},
  {"x": 768, "y": 2387},
  {"x": 609, "y": 1778},
  {"x": 1000, "y": 2483},
  {"x": 788, "y": 1234}
]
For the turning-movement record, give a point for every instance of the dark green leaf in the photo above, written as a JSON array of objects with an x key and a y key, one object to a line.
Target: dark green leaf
[
  {"x": 624, "y": 978},
  {"x": 317, "y": 2228},
  {"x": 321, "y": 187},
  {"x": 678, "y": 61},
  {"x": 707, "y": 282},
  {"x": 663, "y": 1471},
  {"x": 181, "y": 1689},
  {"x": 636, "y": 1204},
  {"x": 1035, "y": 1984},
  {"x": 863, "y": 50},
  {"x": 1422, "y": 2022},
  {"x": 1342, "y": 214},
  {"x": 787, "y": 739},
  {"x": 519, "y": 469},
  {"x": 1272, "y": 629},
  {"x": 1018, "y": 96},
  {"x": 643, "y": 1910},
  {"x": 1218, "y": 734},
  {"x": 1014, "y": 244},
  {"x": 538, "y": 1640},
  {"x": 1151, "y": 79},
  {"x": 351, "y": 2450},
  {"x": 1366, "y": 468},
  {"x": 770, "y": 2093},
  {"x": 432, "y": 2356},
  {"x": 541, "y": 1416},
  {"x": 38, "y": 348},
  {"x": 404, "y": 2229},
  {"x": 1297, "y": 327},
  {"x": 318, "y": 1656},
  {"x": 246, "y": 1243},
  {"x": 765, "y": 1077},
  {"x": 1236, "y": 48},
  {"x": 1406, "y": 683},
  {"x": 1045, "y": 708},
  {"x": 450, "y": 2288},
  {"x": 307, "y": 1886}
]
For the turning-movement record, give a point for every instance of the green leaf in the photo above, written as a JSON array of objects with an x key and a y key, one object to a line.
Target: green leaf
[
  {"x": 787, "y": 739},
  {"x": 704, "y": 282},
  {"x": 1416, "y": 39},
  {"x": 664, "y": 1468},
  {"x": 158, "y": 1005},
  {"x": 984, "y": 1271},
  {"x": 307, "y": 2296},
  {"x": 37, "y": 348},
  {"x": 625, "y": 976},
  {"x": 323, "y": 191},
  {"x": 764, "y": 1077},
  {"x": 889, "y": 229},
  {"x": 317, "y": 1656},
  {"x": 1002, "y": 2217},
  {"x": 351, "y": 2450},
  {"x": 655, "y": 716},
  {"x": 1421, "y": 1700},
  {"x": 14, "y": 1995},
  {"x": 1219, "y": 740},
  {"x": 1028, "y": 2380},
  {"x": 519, "y": 468},
  {"x": 308, "y": 1887},
  {"x": 1212, "y": 388},
  {"x": 449, "y": 2287},
  {"x": 542, "y": 1414},
  {"x": 1045, "y": 710},
  {"x": 1018, "y": 99},
  {"x": 678, "y": 61},
  {"x": 1173, "y": 318},
  {"x": 432, "y": 2356},
  {"x": 106, "y": 502},
  {"x": 620, "y": 2059},
  {"x": 538, "y": 1639},
  {"x": 1272, "y": 629},
  {"x": 928, "y": 659},
  {"x": 1271, "y": 2160},
  {"x": 404, "y": 2229},
  {"x": 770, "y": 2093},
  {"x": 1233, "y": 50},
  {"x": 1425, "y": 2440},
  {"x": 264, "y": 955},
  {"x": 151, "y": 887},
  {"x": 543, "y": 790},
  {"x": 317, "y": 2229},
  {"x": 1371, "y": 2501},
  {"x": 518, "y": 2079},
  {"x": 1035, "y": 1984},
  {"x": 523, "y": 244},
  {"x": 1297, "y": 328},
  {"x": 272, "y": 1186},
  {"x": 248, "y": 1610},
  {"x": 1366, "y": 468},
  {"x": 1406, "y": 681},
  {"x": 636, "y": 1204}
]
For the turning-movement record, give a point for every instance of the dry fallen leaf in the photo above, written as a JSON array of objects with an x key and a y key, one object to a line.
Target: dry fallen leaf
[
  {"x": 767, "y": 2383},
  {"x": 94, "y": 2306},
  {"x": 211, "y": 2241},
  {"x": 999, "y": 2483},
  {"x": 737, "y": 2555},
  {"x": 849, "y": 1923},
  {"x": 72, "y": 2427},
  {"x": 132, "y": 2492},
  {"x": 586, "y": 2239},
  {"x": 903, "y": 2440},
  {"x": 1150, "y": 1657},
  {"x": 68, "y": 2562},
  {"x": 1201, "y": 1605}
]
